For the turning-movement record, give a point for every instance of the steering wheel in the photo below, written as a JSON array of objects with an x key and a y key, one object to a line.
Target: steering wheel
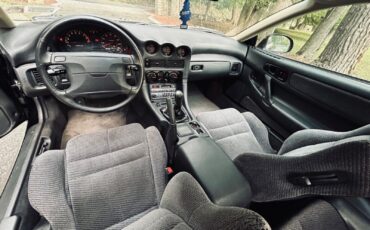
[{"x": 89, "y": 74}]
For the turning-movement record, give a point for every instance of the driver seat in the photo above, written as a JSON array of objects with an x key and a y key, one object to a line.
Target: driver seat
[{"x": 115, "y": 179}]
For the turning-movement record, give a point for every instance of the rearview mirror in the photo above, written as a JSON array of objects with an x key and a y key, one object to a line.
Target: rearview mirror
[{"x": 277, "y": 43}]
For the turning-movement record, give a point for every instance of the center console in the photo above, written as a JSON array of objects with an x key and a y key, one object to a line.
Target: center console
[
  {"x": 215, "y": 171},
  {"x": 166, "y": 69},
  {"x": 188, "y": 144}
]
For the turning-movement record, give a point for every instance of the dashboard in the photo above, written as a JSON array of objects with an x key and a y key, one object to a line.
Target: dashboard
[
  {"x": 170, "y": 54},
  {"x": 83, "y": 38}
]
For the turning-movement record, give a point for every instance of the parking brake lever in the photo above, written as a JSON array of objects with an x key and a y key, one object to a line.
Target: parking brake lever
[{"x": 171, "y": 135}]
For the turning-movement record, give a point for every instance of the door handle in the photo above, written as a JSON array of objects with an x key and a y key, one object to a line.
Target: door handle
[{"x": 277, "y": 72}]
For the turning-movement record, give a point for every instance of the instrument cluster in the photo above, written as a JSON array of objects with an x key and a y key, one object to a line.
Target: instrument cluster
[{"x": 90, "y": 39}]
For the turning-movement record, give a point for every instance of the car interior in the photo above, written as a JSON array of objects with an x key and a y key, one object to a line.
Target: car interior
[{"x": 166, "y": 128}]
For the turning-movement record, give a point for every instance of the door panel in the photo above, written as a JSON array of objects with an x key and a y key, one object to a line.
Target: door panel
[
  {"x": 298, "y": 96},
  {"x": 9, "y": 116}
]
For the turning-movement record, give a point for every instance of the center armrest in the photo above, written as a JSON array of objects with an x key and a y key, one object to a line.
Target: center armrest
[{"x": 215, "y": 171}]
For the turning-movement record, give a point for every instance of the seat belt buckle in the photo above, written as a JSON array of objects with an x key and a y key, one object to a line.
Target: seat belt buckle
[{"x": 169, "y": 171}]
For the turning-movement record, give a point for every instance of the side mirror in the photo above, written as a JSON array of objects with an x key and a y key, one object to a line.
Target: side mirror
[{"x": 277, "y": 43}]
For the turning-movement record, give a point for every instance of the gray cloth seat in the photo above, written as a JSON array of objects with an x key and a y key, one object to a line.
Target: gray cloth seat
[
  {"x": 238, "y": 133},
  {"x": 115, "y": 179},
  {"x": 309, "y": 163}
]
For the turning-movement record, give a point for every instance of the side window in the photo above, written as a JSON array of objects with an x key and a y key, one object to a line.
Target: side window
[{"x": 337, "y": 39}]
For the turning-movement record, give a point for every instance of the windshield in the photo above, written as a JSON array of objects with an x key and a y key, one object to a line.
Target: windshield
[{"x": 224, "y": 16}]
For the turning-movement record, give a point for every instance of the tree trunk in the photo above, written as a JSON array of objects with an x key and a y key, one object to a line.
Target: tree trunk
[
  {"x": 349, "y": 42},
  {"x": 246, "y": 12},
  {"x": 302, "y": 26},
  {"x": 234, "y": 14},
  {"x": 169, "y": 7},
  {"x": 293, "y": 24},
  {"x": 321, "y": 33},
  {"x": 264, "y": 12},
  {"x": 297, "y": 23},
  {"x": 207, "y": 10}
]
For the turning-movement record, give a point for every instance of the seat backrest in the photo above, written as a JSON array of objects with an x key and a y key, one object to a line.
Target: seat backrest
[
  {"x": 335, "y": 169},
  {"x": 308, "y": 137},
  {"x": 108, "y": 179}
]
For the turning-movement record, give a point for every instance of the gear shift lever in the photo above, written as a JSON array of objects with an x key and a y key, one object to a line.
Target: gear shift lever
[
  {"x": 171, "y": 135},
  {"x": 170, "y": 111},
  {"x": 177, "y": 109},
  {"x": 178, "y": 100}
]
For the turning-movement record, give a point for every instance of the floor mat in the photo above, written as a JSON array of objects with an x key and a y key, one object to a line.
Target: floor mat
[
  {"x": 198, "y": 102},
  {"x": 80, "y": 122}
]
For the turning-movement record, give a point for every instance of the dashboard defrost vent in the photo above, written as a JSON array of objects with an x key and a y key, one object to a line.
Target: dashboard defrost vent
[{"x": 36, "y": 77}]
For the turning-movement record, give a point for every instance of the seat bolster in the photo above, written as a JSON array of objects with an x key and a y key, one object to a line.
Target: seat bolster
[
  {"x": 260, "y": 131},
  {"x": 46, "y": 190},
  {"x": 185, "y": 198},
  {"x": 319, "y": 215},
  {"x": 183, "y": 195},
  {"x": 159, "y": 219},
  {"x": 158, "y": 157},
  {"x": 316, "y": 136}
]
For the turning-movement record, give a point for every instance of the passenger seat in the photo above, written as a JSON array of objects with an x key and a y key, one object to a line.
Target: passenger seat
[
  {"x": 310, "y": 162},
  {"x": 239, "y": 133}
]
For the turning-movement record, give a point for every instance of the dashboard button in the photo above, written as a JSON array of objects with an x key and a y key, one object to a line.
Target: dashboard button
[
  {"x": 59, "y": 59},
  {"x": 197, "y": 67}
]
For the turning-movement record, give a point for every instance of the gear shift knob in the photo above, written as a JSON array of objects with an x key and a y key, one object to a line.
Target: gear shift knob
[{"x": 178, "y": 99}]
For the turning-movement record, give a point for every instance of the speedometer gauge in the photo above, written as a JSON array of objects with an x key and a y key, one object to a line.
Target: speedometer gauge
[
  {"x": 76, "y": 39},
  {"x": 112, "y": 43}
]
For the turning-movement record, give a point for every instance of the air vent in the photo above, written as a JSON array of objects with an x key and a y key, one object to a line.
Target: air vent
[
  {"x": 235, "y": 68},
  {"x": 36, "y": 77}
]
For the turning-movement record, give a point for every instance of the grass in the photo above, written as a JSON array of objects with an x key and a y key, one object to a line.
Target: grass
[{"x": 362, "y": 69}]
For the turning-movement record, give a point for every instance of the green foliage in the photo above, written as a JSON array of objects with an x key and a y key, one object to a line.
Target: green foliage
[
  {"x": 227, "y": 4},
  {"x": 314, "y": 19},
  {"x": 264, "y": 3}
]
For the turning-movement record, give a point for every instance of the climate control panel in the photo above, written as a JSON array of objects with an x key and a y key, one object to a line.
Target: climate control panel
[{"x": 166, "y": 76}]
